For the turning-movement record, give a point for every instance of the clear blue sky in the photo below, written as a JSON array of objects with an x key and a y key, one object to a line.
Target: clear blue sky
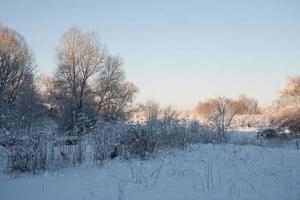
[{"x": 176, "y": 52}]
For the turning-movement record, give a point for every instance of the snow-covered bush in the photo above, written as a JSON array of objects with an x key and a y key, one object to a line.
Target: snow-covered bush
[
  {"x": 193, "y": 126},
  {"x": 7, "y": 139},
  {"x": 248, "y": 121},
  {"x": 27, "y": 154},
  {"x": 139, "y": 141},
  {"x": 267, "y": 133},
  {"x": 206, "y": 136},
  {"x": 65, "y": 151},
  {"x": 37, "y": 151},
  {"x": 174, "y": 137},
  {"x": 285, "y": 115},
  {"x": 105, "y": 141}
]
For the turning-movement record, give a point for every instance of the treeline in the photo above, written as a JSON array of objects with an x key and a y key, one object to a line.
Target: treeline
[
  {"x": 84, "y": 111},
  {"x": 219, "y": 113}
]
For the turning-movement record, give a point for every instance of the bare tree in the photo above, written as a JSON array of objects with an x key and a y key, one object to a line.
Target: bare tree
[
  {"x": 246, "y": 105},
  {"x": 218, "y": 113},
  {"x": 16, "y": 74},
  {"x": 113, "y": 92},
  {"x": 79, "y": 56},
  {"x": 151, "y": 110}
]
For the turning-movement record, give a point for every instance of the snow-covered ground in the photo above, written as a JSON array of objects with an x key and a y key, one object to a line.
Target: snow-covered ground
[{"x": 205, "y": 171}]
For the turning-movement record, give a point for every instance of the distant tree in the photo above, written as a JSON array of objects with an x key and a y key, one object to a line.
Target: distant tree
[
  {"x": 292, "y": 88},
  {"x": 218, "y": 113},
  {"x": 204, "y": 107},
  {"x": 46, "y": 87},
  {"x": 113, "y": 93},
  {"x": 79, "y": 56},
  {"x": 151, "y": 111},
  {"x": 246, "y": 105}
]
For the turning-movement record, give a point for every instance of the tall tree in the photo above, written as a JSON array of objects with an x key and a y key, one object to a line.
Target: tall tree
[
  {"x": 151, "y": 111},
  {"x": 79, "y": 56}
]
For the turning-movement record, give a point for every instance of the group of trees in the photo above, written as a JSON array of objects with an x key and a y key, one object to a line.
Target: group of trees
[
  {"x": 89, "y": 83},
  {"x": 219, "y": 112},
  {"x": 283, "y": 115},
  {"x": 88, "y": 86}
]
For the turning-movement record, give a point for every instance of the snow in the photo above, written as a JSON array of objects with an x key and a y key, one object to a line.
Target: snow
[{"x": 204, "y": 171}]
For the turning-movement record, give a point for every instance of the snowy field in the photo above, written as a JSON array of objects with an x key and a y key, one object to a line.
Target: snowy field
[{"x": 206, "y": 171}]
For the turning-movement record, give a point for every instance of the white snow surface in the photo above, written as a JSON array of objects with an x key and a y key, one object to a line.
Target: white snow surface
[{"x": 204, "y": 171}]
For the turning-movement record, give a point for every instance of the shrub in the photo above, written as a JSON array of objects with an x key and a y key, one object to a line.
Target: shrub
[
  {"x": 29, "y": 154},
  {"x": 285, "y": 115},
  {"x": 267, "y": 133},
  {"x": 139, "y": 141}
]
